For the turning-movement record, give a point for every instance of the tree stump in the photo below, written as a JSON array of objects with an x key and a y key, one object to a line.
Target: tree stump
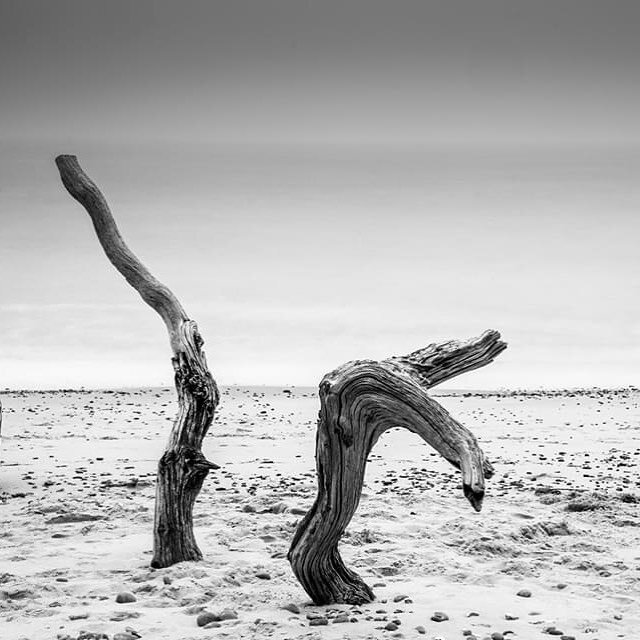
[
  {"x": 182, "y": 468},
  {"x": 358, "y": 402}
]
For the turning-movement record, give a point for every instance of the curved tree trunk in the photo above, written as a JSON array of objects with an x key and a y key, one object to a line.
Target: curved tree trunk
[
  {"x": 183, "y": 468},
  {"x": 358, "y": 402}
]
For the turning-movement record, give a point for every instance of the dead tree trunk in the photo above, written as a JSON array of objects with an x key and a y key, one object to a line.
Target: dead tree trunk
[
  {"x": 183, "y": 468},
  {"x": 358, "y": 402}
]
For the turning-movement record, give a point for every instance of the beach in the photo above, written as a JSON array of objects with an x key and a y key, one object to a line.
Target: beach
[{"x": 554, "y": 551}]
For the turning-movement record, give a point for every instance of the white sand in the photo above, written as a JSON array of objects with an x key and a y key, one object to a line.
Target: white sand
[{"x": 414, "y": 531}]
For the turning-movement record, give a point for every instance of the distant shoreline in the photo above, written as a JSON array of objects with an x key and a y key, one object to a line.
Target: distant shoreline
[{"x": 313, "y": 390}]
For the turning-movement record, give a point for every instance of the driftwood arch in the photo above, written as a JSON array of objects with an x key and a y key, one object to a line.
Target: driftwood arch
[
  {"x": 358, "y": 402},
  {"x": 182, "y": 468}
]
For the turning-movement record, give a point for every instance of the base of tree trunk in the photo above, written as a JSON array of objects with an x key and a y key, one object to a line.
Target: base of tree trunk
[
  {"x": 183, "y": 467},
  {"x": 179, "y": 480}
]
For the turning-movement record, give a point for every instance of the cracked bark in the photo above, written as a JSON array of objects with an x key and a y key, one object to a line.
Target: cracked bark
[
  {"x": 359, "y": 401},
  {"x": 182, "y": 468}
]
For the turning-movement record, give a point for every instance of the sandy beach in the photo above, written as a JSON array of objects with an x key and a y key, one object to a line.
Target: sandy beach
[
  {"x": 554, "y": 551},
  {"x": 368, "y": 199}
]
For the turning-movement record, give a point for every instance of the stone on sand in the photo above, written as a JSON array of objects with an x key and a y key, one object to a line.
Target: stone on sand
[
  {"x": 439, "y": 616},
  {"x": 227, "y": 614},
  {"x": 205, "y": 618},
  {"x": 124, "y": 597}
]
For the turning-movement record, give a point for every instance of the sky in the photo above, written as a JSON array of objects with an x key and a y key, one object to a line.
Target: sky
[{"x": 323, "y": 181}]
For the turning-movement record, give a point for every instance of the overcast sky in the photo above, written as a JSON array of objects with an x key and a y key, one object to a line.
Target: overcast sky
[{"x": 321, "y": 181}]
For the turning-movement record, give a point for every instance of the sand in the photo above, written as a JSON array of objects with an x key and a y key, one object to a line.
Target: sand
[{"x": 561, "y": 521}]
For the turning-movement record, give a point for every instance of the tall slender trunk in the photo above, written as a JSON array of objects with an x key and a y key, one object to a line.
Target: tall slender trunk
[{"x": 182, "y": 468}]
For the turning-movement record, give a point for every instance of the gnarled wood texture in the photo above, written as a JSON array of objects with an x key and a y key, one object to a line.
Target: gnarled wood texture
[
  {"x": 358, "y": 402},
  {"x": 182, "y": 468}
]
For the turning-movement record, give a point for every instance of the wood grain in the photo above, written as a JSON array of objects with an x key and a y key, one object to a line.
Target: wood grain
[
  {"x": 182, "y": 468},
  {"x": 358, "y": 403}
]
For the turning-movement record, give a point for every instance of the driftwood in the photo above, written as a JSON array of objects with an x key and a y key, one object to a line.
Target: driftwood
[
  {"x": 182, "y": 468},
  {"x": 358, "y": 402}
]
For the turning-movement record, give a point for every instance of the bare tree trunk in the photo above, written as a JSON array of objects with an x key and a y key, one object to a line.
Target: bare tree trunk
[
  {"x": 358, "y": 402},
  {"x": 183, "y": 468}
]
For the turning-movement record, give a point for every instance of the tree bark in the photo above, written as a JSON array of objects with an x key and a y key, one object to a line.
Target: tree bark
[
  {"x": 182, "y": 468},
  {"x": 358, "y": 402}
]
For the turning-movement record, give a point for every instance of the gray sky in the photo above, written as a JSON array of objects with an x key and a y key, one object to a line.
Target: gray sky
[
  {"x": 353, "y": 70},
  {"x": 319, "y": 181}
]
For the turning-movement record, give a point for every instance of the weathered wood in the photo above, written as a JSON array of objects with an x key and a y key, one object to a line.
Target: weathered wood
[
  {"x": 358, "y": 402},
  {"x": 182, "y": 468}
]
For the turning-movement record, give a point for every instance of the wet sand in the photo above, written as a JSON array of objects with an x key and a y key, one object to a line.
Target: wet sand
[{"x": 560, "y": 523}]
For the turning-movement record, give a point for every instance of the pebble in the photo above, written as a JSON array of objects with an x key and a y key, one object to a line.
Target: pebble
[
  {"x": 291, "y": 606},
  {"x": 263, "y": 576},
  {"x": 343, "y": 617},
  {"x": 524, "y": 593},
  {"x": 391, "y": 626},
  {"x": 439, "y": 616},
  {"x": 123, "y": 615},
  {"x": 421, "y": 630},
  {"x": 399, "y": 598},
  {"x": 318, "y": 622},
  {"x": 205, "y": 618},
  {"x": 496, "y": 635},
  {"x": 124, "y": 596},
  {"x": 73, "y": 517},
  {"x": 227, "y": 614},
  {"x": 552, "y": 631}
]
